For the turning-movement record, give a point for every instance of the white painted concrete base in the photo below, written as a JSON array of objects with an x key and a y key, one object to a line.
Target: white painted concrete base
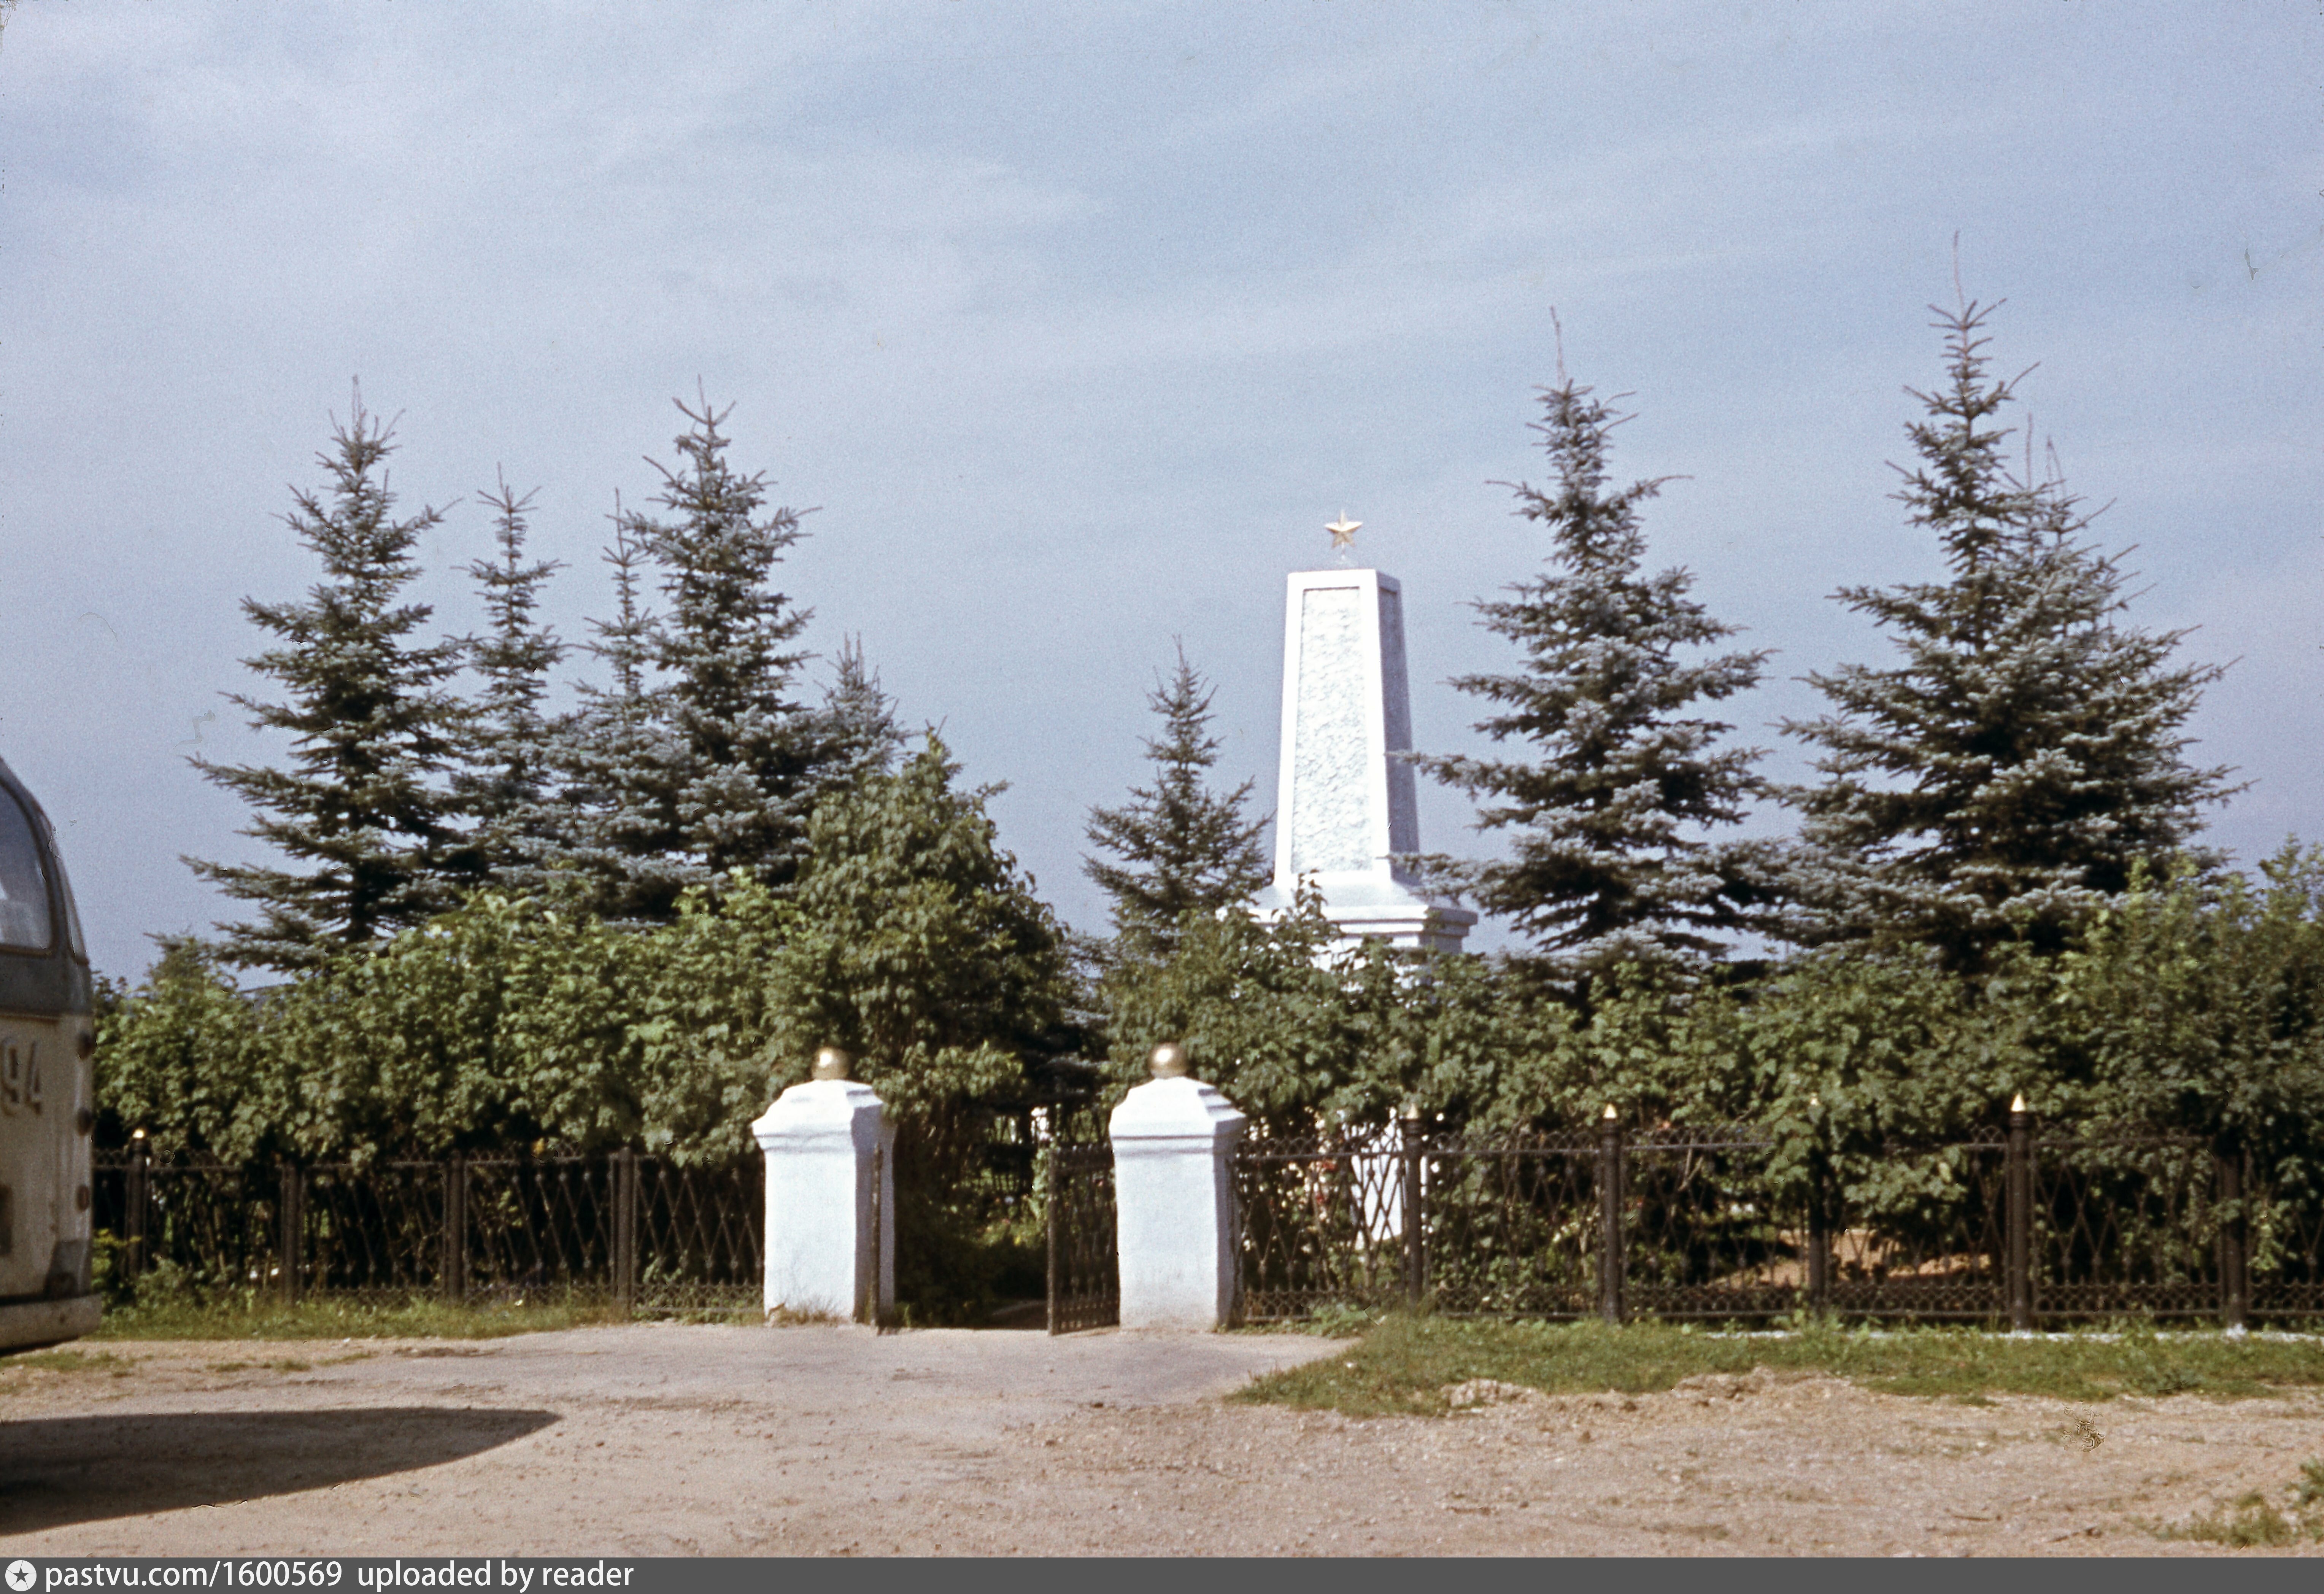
[
  {"x": 1172, "y": 1141},
  {"x": 831, "y": 1234},
  {"x": 1371, "y": 907}
]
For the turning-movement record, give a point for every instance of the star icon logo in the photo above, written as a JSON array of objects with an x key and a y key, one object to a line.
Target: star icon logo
[
  {"x": 21, "y": 1575},
  {"x": 1343, "y": 531}
]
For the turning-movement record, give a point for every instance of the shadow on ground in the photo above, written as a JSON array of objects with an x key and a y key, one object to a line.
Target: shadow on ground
[{"x": 58, "y": 1470}]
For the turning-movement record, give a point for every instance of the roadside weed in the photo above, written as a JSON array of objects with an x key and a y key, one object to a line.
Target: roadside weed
[{"x": 1403, "y": 1364}]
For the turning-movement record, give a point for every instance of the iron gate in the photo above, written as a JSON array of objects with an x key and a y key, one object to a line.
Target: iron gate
[{"x": 1085, "y": 1271}]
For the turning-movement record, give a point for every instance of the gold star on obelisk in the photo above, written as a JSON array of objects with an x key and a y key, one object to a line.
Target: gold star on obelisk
[{"x": 1343, "y": 532}]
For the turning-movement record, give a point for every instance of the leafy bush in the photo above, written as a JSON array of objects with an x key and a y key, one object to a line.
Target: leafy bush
[
  {"x": 910, "y": 938},
  {"x": 2190, "y": 1006}
]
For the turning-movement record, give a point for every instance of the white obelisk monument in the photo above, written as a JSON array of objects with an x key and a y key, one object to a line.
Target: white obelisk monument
[{"x": 1344, "y": 807}]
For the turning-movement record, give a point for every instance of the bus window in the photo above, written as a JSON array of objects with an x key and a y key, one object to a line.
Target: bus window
[
  {"x": 24, "y": 889},
  {"x": 64, "y": 889}
]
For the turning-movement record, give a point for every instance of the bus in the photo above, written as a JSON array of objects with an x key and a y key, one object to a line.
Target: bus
[{"x": 48, "y": 1086}]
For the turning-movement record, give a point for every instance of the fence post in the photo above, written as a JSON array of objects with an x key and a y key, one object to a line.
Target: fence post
[
  {"x": 883, "y": 1281},
  {"x": 2235, "y": 1254},
  {"x": 2018, "y": 1195},
  {"x": 134, "y": 1198},
  {"x": 625, "y": 1231},
  {"x": 456, "y": 1227},
  {"x": 1050, "y": 1184},
  {"x": 1819, "y": 1279},
  {"x": 1610, "y": 1260},
  {"x": 1414, "y": 1215},
  {"x": 293, "y": 1222}
]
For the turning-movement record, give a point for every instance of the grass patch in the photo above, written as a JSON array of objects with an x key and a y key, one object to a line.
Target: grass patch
[
  {"x": 1335, "y": 1321},
  {"x": 281, "y": 1365},
  {"x": 65, "y": 1361},
  {"x": 417, "y": 1317},
  {"x": 1403, "y": 1365},
  {"x": 2254, "y": 1520}
]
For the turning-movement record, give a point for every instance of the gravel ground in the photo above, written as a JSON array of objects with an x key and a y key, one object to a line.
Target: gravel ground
[{"x": 659, "y": 1440}]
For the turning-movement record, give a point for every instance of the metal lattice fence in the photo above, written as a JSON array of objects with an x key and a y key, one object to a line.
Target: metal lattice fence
[
  {"x": 701, "y": 1237},
  {"x": 2125, "y": 1224},
  {"x": 1700, "y": 1223},
  {"x": 1930, "y": 1245},
  {"x": 374, "y": 1234},
  {"x": 636, "y": 1232},
  {"x": 2279, "y": 1227},
  {"x": 1674, "y": 1223},
  {"x": 1320, "y": 1222},
  {"x": 215, "y": 1225}
]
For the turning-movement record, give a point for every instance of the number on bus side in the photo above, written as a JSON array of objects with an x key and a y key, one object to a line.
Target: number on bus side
[{"x": 20, "y": 1076}]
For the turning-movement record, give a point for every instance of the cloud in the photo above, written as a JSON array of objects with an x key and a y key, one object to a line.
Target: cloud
[{"x": 1079, "y": 321}]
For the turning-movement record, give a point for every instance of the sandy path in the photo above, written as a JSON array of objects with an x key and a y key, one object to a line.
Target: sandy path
[{"x": 666, "y": 1439}]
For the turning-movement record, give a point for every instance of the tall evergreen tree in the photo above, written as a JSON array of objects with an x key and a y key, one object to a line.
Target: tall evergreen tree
[
  {"x": 695, "y": 760},
  {"x": 362, "y": 814},
  {"x": 1623, "y": 775},
  {"x": 860, "y": 735},
  {"x": 2025, "y": 753},
  {"x": 505, "y": 786},
  {"x": 744, "y": 754},
  {"x": 1179, "y": 846},
  {"x": 617, "y": 842}
]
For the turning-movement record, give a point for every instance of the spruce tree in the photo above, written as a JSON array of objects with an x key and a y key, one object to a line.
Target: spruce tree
[
  {"x": 362, "y": 814},
  {"x": 695, "y": 760},
  {"x": 1622, "y": 774},
  {"x": 744, "y": 755},
  {"x": 2025, "y": 753},
  {"x": 860, "y": 737},
  {"x": 504, "y": 788},
  {"x": 1180, "y": 846},
  {"x": 616, "y": 843}
]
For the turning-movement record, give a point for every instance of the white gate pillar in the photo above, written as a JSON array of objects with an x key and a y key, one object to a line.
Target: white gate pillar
[
  {"x": 1172, "y": 1141},
  {"x": 831, "y": 1197}
]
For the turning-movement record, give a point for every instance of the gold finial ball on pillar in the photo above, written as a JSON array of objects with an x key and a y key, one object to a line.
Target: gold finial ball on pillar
[
  {"x": 1170, "y": 1060},
  {"x": 831, "y": 1062}
]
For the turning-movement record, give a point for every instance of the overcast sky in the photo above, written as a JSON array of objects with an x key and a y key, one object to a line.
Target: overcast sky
[{"x": 1079, "y": 322}]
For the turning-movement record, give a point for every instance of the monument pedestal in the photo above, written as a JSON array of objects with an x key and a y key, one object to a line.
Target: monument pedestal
[
  {"x": 1401, "y": 915},
  {"x": 1346, "y": 806}
]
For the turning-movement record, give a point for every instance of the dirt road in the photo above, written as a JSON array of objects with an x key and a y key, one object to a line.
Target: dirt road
[{"x": 665, "y": 1440}]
